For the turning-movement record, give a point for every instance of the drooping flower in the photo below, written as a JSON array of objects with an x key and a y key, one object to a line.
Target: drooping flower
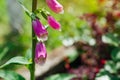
[
  {"x": 39, "y": 30},
  {"x": 40, "y": 53},
  {"x": 53, "y": 23},
  {"x": 55, "y": 6}
]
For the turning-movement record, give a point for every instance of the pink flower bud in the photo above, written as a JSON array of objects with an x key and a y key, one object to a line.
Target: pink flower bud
[
  {"x": 40, "y": 53},
  {"x": 53, "y": 23},
  {"x": 55, "y": 6},
  {"x": 39, "y": 30}
]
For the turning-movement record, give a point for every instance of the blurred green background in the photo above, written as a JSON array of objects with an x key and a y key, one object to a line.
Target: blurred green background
[{"x": 15, "y": 26}]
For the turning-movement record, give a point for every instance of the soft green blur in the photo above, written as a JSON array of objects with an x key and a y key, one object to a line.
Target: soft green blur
[{"x": 73, "y": 29}]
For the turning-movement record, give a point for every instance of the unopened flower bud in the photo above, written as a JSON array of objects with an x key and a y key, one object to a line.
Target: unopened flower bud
[
  {"x": 55, "y": 6},
  {"x": 53, "y": 23}
]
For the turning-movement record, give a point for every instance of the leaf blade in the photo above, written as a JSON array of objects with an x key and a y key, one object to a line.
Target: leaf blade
[
  {"x": 10, "y": 75},
  {"x": 16, "y": 60}
]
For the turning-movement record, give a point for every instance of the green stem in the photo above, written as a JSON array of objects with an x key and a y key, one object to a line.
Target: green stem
[{"x": 32, "y": 66}]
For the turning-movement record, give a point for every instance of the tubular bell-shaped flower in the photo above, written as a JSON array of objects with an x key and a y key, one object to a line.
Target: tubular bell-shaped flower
[
  {"x": 55, "y": 6},
  {"x": 53, "y": 23},
  {"x": 40, "y": 53},
  {"x": 39, "y": 30}
]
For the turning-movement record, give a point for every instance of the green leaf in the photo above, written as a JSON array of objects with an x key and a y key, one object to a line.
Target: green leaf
[
  {"x": 44, "y": 15},
  {"x": 26, "y": 10},
  {"x": 102, "y": 72},
  {"x": 116, "y": 54},
  {"x": 110, "y": 67},
  {"x": 43, "y": 12},
  {"x": 16, "y": 60},
  {"x": 62, "y": 76},
  {"x": 3, "y": 53},
  {"x": 110, "y": 39},
  {"x": 10, "y": 75},
  {"x": 105, "y": 75},
  {"x": 28, "y": 54},
  {"x": 118, "y": 65}
]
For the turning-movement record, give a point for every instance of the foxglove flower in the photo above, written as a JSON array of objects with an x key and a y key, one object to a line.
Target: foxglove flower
[
  {"x": 39, "y": 30},
  {"x": 40, "y": 53},
  {"x": 53, "y": 23},
  {"x": 55, "y": 6}
]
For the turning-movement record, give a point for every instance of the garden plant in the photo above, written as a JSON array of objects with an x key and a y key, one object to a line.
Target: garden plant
[{"x": 92, "y": 27}]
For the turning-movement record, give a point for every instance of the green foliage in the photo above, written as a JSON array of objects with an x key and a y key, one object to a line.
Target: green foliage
[
  {"x": 3, "y": 53},
  {"x": 116, "y": 54},
  {"x": 62, "y": 76},
  {"x": 110, "y": 67},
  {"x": 10, "y": 75},
  {"x": 25, "y": 9},
  {"x": 16, "y": 60},
  {"x": 28, "y": 54},
  {"x": 105, "y": 75},
  {"x": 72, "y": 28},
  {"x": 110, "y": 38}
]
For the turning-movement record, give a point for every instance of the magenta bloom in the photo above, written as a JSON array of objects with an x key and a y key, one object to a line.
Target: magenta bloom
[
  {"x": 39, "y": 30},
  {"x": 53, "y": 23},
  {"x": 55, "y": 6},
  {"x": 40, "y": 53}
]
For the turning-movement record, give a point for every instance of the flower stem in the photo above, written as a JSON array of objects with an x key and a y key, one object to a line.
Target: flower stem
[{"x": 32, "y": 66}]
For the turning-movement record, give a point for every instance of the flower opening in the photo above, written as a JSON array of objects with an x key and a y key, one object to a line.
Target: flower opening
[
  {"x": 39, "y": 30},
  {"x": 40, "y": 53}
]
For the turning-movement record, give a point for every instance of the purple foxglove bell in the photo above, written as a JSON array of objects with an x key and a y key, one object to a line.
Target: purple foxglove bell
[
  {"x": 55, "y": 6},
  {"x": 53, "y": 23},
  {"x": 39, "y": 30},
  {"x": 40, "y": 53}
]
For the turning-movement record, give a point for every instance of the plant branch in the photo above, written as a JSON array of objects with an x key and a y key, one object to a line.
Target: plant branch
[{"x": 32, "y": 66}]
